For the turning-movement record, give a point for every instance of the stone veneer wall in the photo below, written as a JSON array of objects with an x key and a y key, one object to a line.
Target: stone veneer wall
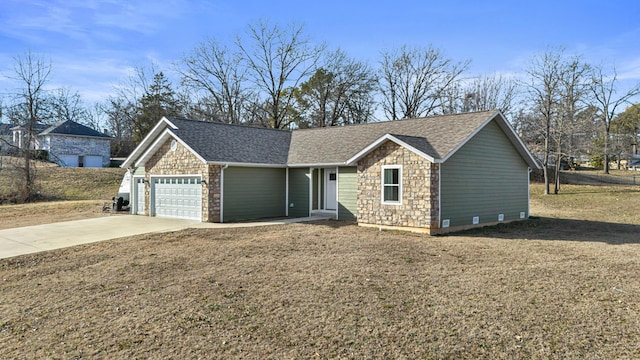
[
  {"x": 419, "y": 207},
  {"x": 183, "y": 162}
]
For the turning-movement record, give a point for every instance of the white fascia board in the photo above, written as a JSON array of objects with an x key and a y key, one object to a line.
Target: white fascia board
[
  {"x": 388, "y": 137},
  {"x": 144, "y": 144},
  {"x": 240, "y": 164},
  {"x": 166, "y": 135},
  {"x": 317, "y": 165},
  {"x": 79, "y": 136}
]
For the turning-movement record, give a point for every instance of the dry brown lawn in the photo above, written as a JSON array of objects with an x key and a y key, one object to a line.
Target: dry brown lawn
[{"x": 562, "y": 285}]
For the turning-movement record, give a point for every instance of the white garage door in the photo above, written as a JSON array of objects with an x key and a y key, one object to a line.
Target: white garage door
[
  {"x": 177, "y": 197},
  {"x": 68, "y": 160},
  {"x": 92, "y": 161}
]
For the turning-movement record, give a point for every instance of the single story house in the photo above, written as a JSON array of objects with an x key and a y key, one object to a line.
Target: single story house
[
  {"x": 68, "y": 144},
  {"x": 433, "y": 174}
]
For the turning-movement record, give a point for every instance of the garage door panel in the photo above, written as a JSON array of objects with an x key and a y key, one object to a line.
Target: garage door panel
[
  {"x": 179, "y": 197},
  {"x": 92, "y": 161}
]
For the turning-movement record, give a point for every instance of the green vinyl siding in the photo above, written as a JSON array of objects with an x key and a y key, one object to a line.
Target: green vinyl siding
[
  {"x": 253, "y": 193},
  {"x": 347, "y": 193},
  {"x": 315, "y": 195},
  {"x": 485, "y": 178},
  {"x": 299, "y": 192}
]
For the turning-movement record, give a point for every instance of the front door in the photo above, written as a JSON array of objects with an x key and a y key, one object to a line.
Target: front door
[
  {"x": 330, "y": 182},
  {"x": 138, "y": 197}
]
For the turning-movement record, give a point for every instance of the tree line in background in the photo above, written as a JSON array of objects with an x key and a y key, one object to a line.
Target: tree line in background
[{"x": 274, "y": 76}]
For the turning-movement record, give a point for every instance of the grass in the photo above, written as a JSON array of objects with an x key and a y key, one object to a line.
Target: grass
[
  {"x": 56, "y": 183},
  {"x": 561, "y": 285},
  {"x": 79, "y": 183}
]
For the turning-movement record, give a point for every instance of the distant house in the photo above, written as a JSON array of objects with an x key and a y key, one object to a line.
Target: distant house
[
  {"x": 5, "y": 137},
  {"x": 433, "y": 174},
  {"x": 71, "y": 144},
  {"x": 67, "y": 143}
]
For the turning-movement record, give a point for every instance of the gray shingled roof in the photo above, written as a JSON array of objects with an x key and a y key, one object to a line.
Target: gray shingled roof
[
  {"x": 436, "y": 136},
  {"x": 72, "y": 128},
  {"x": 218, "y": 142}
]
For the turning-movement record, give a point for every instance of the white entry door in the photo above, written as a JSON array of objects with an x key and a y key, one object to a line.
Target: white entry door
[
  {"x": 330, "y": 183},
  {"x": 177, "y": 197},
  {"x": 139, "y": 196}
]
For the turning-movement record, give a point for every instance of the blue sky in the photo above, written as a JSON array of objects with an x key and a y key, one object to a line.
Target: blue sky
[{"x": 93, "y": 45}]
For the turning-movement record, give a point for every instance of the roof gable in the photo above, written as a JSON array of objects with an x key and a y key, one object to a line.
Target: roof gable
[
  {"x": 216, "y": 142},
  {"x": 435, "y": 136}
]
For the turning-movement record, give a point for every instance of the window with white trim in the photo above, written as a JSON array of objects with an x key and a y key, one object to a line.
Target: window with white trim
[{"x": 392, "y": 184}]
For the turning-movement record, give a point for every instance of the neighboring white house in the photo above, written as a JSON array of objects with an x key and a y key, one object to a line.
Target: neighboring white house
[{"x": 68, "y": 144}]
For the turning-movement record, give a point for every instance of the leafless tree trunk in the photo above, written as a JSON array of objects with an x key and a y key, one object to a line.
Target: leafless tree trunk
[
  {"x": 278, "y": 60},
  {"x": 573, "y": 90},
  {"x": 544, "y": 86},
  {"x": 412, "y": 81},
  {"x": 603, "y": 88},
  {"x": 32, "y": 73}
]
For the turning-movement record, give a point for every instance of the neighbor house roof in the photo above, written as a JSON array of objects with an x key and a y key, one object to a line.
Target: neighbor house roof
[
  {"x": 435, "y": 138},
  {"x": 72, "y": 128}
]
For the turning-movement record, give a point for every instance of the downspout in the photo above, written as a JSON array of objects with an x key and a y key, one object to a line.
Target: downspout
[
  {"x": 439, "y": 195},
  {"x": 529, "y": 192},
  {"x": 337, "y": 190},
  {"x": 222, "y": 191},
  {"x": 132, "y": 191}
]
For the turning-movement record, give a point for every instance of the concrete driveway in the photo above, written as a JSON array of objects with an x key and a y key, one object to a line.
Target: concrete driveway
[{"x": 31, "y": 239}]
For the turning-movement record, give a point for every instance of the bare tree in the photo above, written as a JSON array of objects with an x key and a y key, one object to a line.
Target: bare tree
[
  {"x": 544, "y": 86},
  {"x": 277, "y": 59},
  {"x": 412, "y": 81},
  {"x": 338, "y": 93},
  {"x": 68, "y": 106},
  {"x": 572, "y": 92},
  {"x": 119, "y": 116},
  {"x": 490, "y": 93},
  {"x": 29, "y": 105},
  {"x": 212, "y": 74},
  {"x": 603, "y": 89}
]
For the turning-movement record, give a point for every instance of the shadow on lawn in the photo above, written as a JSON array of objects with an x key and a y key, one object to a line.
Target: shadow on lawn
[{"x": 560, "y": 229}]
